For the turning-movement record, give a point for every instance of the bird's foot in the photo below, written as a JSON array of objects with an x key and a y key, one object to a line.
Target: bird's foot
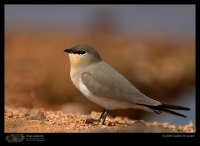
[{"x": 91, "y": 121}]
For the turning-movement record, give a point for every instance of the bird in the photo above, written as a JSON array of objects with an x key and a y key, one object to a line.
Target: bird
[{"x": 105, "y": 86}]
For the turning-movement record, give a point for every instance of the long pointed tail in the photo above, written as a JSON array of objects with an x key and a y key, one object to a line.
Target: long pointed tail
[{"x": 165, "y": 108}]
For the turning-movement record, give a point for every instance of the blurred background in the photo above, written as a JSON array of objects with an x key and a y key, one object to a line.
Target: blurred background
[{"x": 153, "y": 46}]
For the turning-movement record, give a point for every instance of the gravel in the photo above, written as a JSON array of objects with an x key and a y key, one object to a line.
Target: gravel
[{"x": 19, "y": 119}]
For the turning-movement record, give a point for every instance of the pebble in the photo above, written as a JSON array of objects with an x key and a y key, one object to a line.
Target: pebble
[
  {"x": 9, "y": 113},
  {"x": 109, "y": 123},
  {"x": 38, "y": 116},
  {"x": 10, "y": 116},
  {"x": 171, "y": 126},
  {"x": 89, "y": 121},
  {"x": 117, "y": 118},
  {"x": 191, "y": 124}
]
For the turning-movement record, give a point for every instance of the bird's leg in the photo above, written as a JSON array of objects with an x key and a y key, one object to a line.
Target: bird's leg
[
  {"x": 99, "y": 119},
  {"x": 107, "y": 111}
]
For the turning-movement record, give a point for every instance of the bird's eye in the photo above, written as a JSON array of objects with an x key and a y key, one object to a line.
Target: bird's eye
[{"x": 82, "y": 52}]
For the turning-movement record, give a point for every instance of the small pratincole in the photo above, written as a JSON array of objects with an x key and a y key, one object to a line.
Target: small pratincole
[{"x": 106, "y": 87}]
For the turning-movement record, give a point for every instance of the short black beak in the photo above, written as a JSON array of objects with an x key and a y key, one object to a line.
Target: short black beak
[{"x": 68, "y": 50}]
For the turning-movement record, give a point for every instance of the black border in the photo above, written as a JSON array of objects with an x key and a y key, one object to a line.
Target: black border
[{"x": 95, "y": 138}]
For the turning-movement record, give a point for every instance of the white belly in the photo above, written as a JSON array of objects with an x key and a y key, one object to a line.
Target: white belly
[
  {"x": 106, "y": 103},
  {"x": 102, "y": 101}
]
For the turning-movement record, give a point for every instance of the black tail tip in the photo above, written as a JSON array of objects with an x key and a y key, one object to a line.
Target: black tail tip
[
  {"x": 184, "y": 116},
  {"x": 175, "y": 107}
]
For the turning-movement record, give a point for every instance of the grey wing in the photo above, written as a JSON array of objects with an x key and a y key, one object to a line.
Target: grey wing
[{"x": 107, "y": 82}]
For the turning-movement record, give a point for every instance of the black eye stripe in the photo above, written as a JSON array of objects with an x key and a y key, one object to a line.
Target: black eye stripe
[{"x": 81, "y": 52}]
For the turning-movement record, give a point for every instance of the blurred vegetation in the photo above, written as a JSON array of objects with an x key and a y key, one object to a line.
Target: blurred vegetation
[{"x": 37, "y": 69}]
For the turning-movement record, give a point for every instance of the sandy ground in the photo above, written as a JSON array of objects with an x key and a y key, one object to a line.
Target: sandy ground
[{"x": 23, "y": 120}]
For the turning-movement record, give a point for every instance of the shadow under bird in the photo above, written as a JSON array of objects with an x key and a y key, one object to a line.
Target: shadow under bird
[{"x": 106, "y": 87}]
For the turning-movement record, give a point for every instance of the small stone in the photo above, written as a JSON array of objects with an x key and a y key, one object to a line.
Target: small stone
[
  {"x": 95, "y": 115},
  {"x": 171, "y": 126},
  {"x": 165, "y": 124},
  {"x": 142, "y": 121},
  {"x": 89, "y": 121},
  {"x": 155, "y": 123},
  {"x": 118, "y": 118},
  {"x": 109, "y": 124},
  {"x": 26, "y": 114},
  {"x": 113, "y": 124},
  {"x": 10, "y": 116},
  {"x": 191, "y": 124},
  {"x": 9, "y": 113},
  {"x": 38, "y": 116}
]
